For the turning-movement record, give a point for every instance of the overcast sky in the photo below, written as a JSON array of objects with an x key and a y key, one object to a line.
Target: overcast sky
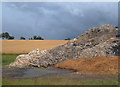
[{"x": 56, "y": 21}]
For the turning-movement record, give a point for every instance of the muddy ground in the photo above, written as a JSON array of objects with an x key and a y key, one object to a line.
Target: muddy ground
[{"x": 19, "y": 73}]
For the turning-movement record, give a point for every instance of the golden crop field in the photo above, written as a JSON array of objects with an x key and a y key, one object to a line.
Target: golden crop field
[{"x": 25, "y": 46}]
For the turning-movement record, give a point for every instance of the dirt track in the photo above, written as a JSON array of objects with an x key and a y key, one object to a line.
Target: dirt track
[{"x": 25, "y": 46}]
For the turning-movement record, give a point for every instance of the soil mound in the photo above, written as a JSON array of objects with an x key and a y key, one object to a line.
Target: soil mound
[
  {"x": 98, "y": 41},
  {"x": 96, "y": 65}
]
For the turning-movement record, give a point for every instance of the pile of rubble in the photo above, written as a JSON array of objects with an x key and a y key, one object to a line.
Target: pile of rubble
[{"x": 98, "y": 41}]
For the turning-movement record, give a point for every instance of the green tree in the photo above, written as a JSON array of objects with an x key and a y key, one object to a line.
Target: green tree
[
  {"x": 39, "y": 38},
  {"x": 0, "y": 35},
  {"x": 3, "y": 35},
  {"x": 22, "y": 38},
  {"x": 35, "y": 37},
  {"x": 67, "y": 39},
  {"x": 31, "y": 38},
  {"x": 6, "y": 34},
  {"x": 11, "y": 37}
]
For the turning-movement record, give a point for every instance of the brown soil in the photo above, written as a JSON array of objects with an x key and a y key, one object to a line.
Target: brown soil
[
  {"x": 97, "y": 65},
  {"x": 25, "y": 46}
]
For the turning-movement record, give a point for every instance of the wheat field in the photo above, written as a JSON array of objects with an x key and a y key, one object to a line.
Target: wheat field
[{"x": 25, "y": 46}]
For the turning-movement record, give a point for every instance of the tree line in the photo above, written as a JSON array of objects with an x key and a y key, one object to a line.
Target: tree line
[{"x": 6, "y": 35}]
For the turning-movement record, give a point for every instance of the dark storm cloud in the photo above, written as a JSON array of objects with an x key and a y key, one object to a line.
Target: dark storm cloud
[{"x": 56, "y": 20}]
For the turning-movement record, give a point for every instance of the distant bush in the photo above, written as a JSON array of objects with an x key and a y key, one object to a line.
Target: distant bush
[
  {"x": 11, "y": 37},
  {"x": 22, "y": 38},
  {"x": 37, "y": 38},
  {"x": 67, "y": 39}
]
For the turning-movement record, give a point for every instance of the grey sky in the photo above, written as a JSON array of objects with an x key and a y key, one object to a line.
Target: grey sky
[{"x": 58, "y": 20}]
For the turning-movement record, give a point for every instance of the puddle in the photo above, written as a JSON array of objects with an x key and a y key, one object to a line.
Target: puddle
[
  {"x": 37, "y": 72},
  {"x": 19, "y": 73}
]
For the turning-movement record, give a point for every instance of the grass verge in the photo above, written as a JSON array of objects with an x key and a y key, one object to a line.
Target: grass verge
[
  {"x": 8, "y": 58},
  {"x": 57, "y": 81}
]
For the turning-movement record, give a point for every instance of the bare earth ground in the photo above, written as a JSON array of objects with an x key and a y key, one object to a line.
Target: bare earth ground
[
  {"x": 25, "y": 46},
  {"x": 97, "y": 65}
]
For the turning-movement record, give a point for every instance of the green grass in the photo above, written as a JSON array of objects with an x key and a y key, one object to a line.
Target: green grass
[
  {"x": 8, "y": 58},
  {"x": 57, "y": 81}
]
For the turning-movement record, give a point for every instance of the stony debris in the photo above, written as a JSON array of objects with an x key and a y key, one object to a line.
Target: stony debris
[
  {"x": 98, "y": 41},
  {"x": 24, "y": 60}
]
